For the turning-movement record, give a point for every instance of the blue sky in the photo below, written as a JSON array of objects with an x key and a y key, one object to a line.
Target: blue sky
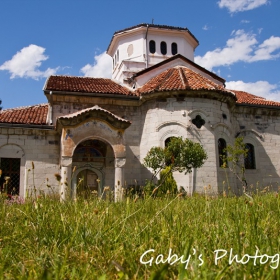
[{"x": 238, "y": 40}]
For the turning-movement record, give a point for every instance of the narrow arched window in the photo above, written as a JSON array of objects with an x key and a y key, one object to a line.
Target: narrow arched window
[
  {"x": 249, "y": 160},
  {"x": 174, "y": 48},
  {"x": 222, "y": 144},
  {"x": 163, "y": 48},
  {"x": 152, "y": 46},
  {"x": 166, "y": 143}
]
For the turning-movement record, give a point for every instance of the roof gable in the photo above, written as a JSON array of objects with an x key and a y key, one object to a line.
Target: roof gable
[
  {"x": 179, "y": 78},
  {"x": 177, "y": 60},
  {"x": 94, "y": 112}
]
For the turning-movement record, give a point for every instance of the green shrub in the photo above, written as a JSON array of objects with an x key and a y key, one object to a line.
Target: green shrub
[{"x": 167, "y": 183}]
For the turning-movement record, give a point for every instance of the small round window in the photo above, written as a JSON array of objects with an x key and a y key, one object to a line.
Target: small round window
[{"x": 163, "y": 48}]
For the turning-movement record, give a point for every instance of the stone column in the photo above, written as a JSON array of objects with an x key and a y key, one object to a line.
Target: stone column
[
  {"x": 119, "y": 178},
  {"x": 65, "y": 183}
]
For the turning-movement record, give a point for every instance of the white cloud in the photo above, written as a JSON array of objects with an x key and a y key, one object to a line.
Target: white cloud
[
  {"x": 242, "y": 47},
  {"x": 245, "y": 21},
  {"x": 266, "y": 49},
  {"x": 237, "y": 49},
  {"x": 26, "y": 63},
  {"x": 205, "y": 27},
  {"x": 241, "y": 5},
  {"x": 102, "y": 67},
  {"x": 259, "y": 88}
]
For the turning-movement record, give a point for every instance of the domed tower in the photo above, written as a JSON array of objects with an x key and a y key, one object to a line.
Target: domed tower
[{"x": 139, "y": 47}]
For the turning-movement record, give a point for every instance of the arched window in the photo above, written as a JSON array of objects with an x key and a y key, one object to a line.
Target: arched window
[
  {"x": 249, "y": 160},
  {"x": 152, "y": 46},
  {"x": 174, "y": 48},
  {"x": 163, "y": 48},
  {"x": 222, "y": 144},
  {"x": 166, "y": 143}
]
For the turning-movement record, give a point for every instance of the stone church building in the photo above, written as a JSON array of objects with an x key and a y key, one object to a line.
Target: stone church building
[{"x": 101, "y": 129}]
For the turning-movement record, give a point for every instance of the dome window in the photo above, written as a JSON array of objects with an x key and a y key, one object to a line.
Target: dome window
[
  {"x": 163, "y": 48},
  {"x": 152, "y": 46},
  {"x": 174, "y": 48}
]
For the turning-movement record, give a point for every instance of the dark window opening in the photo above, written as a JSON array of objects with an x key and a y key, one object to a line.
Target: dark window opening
[
  {"x": 222, "y": 152},
  {"x": 90, "y": 151},
  {"x": 198, "y": 121},
  {"x": 174, "y": 48},
  {"x": 10, "y": 178},
  {"x": 249, "y": 160},
  {"x": 163, "y": 48},
  {"x": 166, "y": 143},
  {"x": 152, "y": 46}
]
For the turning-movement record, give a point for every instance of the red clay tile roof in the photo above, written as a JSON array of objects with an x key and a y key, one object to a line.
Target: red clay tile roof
[
  {"x": 36, "y": 114},
  {"x": 179, "y": 56},
  {"x": 179, "y": 78},
  {"x": 85, "y": 84},
  {"x": 248, "y": 98}
]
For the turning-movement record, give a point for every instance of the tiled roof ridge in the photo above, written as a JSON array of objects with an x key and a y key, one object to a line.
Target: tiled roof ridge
[
  {"x": 83, "y": 77},
  {"x": 23, "y": 107},
  {"x": 183, "y": 77},
  {"x": 167, "y": 75}
]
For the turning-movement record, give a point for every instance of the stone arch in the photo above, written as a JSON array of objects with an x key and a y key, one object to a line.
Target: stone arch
[
  {"x": 245, "y": 132},
  {"x": 75, "y": 182},
  {"x": 171, "y": 129},
  {"x": 195, "y": 112},
  {"x": 96, "y": 155},
  {"x": 252, "y": 139},
  {"x": 171, "y": 123},
  {"x": 175, "y": 129},
  {"x": 92, "y": 123}
]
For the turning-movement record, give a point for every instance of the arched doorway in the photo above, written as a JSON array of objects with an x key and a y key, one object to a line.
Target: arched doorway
[
  {"x": 87, "y": 183},
  {"x": 93, "y": 161}
]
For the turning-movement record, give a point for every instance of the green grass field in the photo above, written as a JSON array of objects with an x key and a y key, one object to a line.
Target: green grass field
[{"x": 167, "y": 238}]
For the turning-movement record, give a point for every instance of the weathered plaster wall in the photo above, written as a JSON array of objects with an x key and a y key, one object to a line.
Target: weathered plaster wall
[{"x": 37, "y": 146}]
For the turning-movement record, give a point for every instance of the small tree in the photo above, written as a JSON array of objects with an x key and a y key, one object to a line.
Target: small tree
[
  {"x": 179, "y": 155},
  {"x": 0, "y": 105},
  {"x": 167, "y": 182},
  {"x": 235, "y": 155}
]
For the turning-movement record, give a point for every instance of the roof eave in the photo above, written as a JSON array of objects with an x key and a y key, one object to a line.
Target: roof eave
[{"x": 92, "y": 94}]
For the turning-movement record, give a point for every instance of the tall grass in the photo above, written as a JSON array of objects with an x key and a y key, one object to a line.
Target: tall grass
[{"x": 97, "y": 239}]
